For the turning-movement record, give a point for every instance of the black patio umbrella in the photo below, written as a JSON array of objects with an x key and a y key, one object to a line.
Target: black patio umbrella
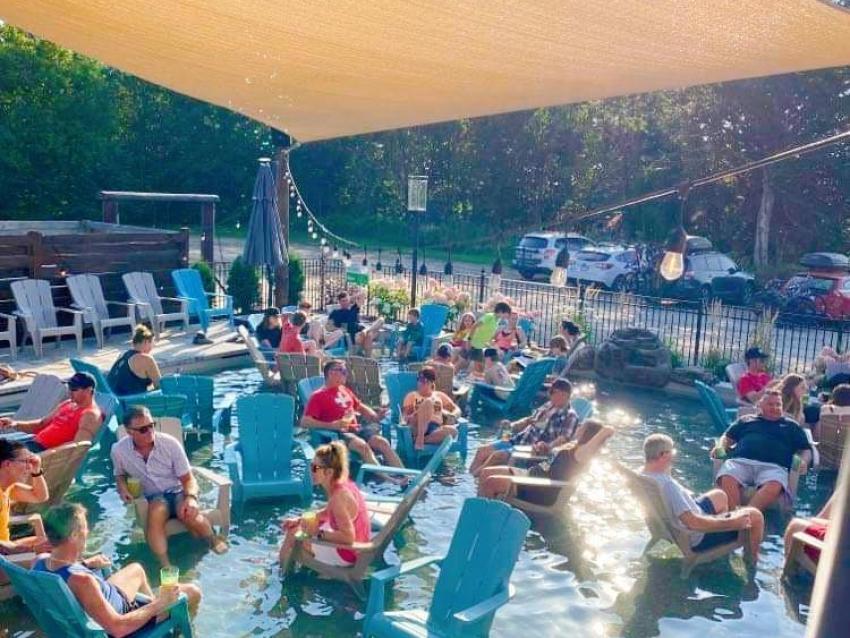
[{"x": 264, "y": 245}]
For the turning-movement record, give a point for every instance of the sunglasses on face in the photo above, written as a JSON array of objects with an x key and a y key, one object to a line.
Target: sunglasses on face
[
  {"x": 142, "y": 429},
  {"x": 339, "y": 370}
]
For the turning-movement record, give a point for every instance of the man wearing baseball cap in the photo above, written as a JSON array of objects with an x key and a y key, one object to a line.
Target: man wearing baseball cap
[
  {"x": 75, "y": 419},
  {"x": 752, "y": 383}
]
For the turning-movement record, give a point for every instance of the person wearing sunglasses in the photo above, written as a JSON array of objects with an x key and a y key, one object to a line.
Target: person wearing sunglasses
[
  {"x": 75, "y": 419},
  {"x": 159, "y": 462},
  {"x": 429, "y": 411},
  {"x": 335, "y": 407},
  {"x": 344, "y": 520},
  {"x": 21, "y": 481}
]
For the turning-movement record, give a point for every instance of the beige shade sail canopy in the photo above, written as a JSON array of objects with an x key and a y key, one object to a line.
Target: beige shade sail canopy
[{"x": 319, "y": 69}]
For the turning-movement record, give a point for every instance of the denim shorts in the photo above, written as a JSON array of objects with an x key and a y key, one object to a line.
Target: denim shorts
[{"x": 172, "y": 501}]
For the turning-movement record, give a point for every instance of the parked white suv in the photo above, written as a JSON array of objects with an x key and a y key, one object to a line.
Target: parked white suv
[
  {"x": 614, "y": 267},
  {"x": 536, "y": 252}
]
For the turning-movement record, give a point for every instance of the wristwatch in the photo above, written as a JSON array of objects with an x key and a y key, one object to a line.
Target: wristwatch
[{"x": 37, "y": 474}]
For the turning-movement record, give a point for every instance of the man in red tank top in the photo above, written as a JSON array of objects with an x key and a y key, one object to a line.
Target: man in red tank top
[{"x": 76, "y": 419}]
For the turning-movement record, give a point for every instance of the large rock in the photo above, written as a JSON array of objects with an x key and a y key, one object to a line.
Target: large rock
[{"x": 633, "y": 355}]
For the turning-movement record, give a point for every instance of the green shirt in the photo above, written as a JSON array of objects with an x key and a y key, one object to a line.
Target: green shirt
[
  {"x": 483, "y": 335},
  {"x": 413, "y": 333}
]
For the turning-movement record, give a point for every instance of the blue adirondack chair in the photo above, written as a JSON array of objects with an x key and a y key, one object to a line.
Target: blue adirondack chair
[
  {"x": 200, "y": 408},
  {"x": 261, "y": 462},
  {"x": 399, "y": 384},
  {"x": 433, "y": 318},
  {"x": 306, "y": 387},
  {"x": 60, "y": 615},
  {"x": 189, "y": 285},
  {"x": 102, "y": 385},
  {"x": 169, "y": 405},
  {"x": 521, "y": 397},
  {"x": 582, "y": 407},
  {"x": 721, "y": 416},
  {"x": 418, "y": 476},
  {"x": 474, "y": 578},
  {"x": 107, "y": 433}
]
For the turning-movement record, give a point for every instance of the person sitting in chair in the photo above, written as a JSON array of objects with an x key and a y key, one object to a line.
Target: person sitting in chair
[
  {"x": 136, "y": 371},
  {"x": 291, "y": 341},
  {"x": 335, "y": 407},
  {"x": 412, "y": 336},
  {"x": 159, "y": 462},
  {"x": 110, "y": 602},
  {"x": 443, "y": 356},
  {"x": 816, "y": 526},
  {"x": 566, "y": 463},
  {"x": 428, "y": 411},
  {"x": 347, "y": 317},
  {"x": 752, "y": 383},
  {"x": 552, "y": 424},
  {"x": 707, "y": 520},
  {"x": 76, "y": 419},
  {"x": 761, "y": 449},
  {"x": 21, "y": 481}
]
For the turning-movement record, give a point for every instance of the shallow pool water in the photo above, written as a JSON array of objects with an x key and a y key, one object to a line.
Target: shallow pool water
[{"x": 581, "y": 573}]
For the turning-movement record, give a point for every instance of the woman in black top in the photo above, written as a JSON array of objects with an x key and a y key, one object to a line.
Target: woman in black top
[
  {"x": 136, "y": 370},
  {"x": 269, "y": 332}
]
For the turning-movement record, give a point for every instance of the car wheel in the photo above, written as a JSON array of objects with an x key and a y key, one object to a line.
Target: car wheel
[
  {"x": 619, "y": 284},
  {"x": 705, "y": 294}
]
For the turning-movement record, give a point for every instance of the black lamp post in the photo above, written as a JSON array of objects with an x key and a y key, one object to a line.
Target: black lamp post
[{"x": 417, "y": 201}]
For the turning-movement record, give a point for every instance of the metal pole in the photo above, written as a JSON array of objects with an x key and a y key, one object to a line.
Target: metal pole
[{"x": 415, "y": 259}]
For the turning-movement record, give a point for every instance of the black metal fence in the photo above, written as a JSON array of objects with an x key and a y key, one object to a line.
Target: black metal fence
[{"x": 696, "y": 333}]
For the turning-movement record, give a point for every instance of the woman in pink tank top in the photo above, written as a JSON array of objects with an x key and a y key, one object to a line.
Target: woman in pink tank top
[{"x": 344, "y": 520}]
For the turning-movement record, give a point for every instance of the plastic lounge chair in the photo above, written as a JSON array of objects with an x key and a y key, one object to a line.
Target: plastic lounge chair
[
  {"x": 797, "y": 556},
  {"x": 87, "y": 293},
  {"x": 45, "y": 392},
  {"x": 106, "y": 434},
  {"x": 445, "y": 380},
  {"x": 60, "y": 465},
  {"x": 261, "y": 462},
  {"x": 60, "y": 615},
  {"x": 10, "y": 334},
  {"x": 142, "y": 291},
  {"x": 659, "y": 520},
  {"x": 735, "y": 371},
  {"x": 364, "y": 379},
  {"x": 474, "y": 578},
  {"x": 305, "y": 388},
  {"x": 102, "y": 385},
  {"x": 173, "y": 406},
  {"x": 399, "y": 384},
  {"x": 721, "y": 416},
  {"x": 523, "y": 455},
  {"x": 24, "y": 559},
  {"x": 564, "y": 491},
  {"x": 433, "y": 318},
  {"x": 200, "y": 409},
  {"x": 367, "y": 552},
  {"x": 521, "y": 397},
  {"x": 270, "y": 378},
  {"x": 292, "y": 367},
  {"x": 35, "y": 307},
  {"x": 832, "y": 430},
  {"x": 189, "y": 286}
]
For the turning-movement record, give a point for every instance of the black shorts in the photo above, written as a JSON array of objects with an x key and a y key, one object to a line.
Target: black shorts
[
  {"x": 366, "y": 432},
  {"x": 712, "y": 539}
]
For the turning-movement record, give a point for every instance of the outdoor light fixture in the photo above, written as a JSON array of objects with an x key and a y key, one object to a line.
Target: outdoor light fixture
[
  {"x": 336, "y": 253},
  {"x": 378, "y": 265},
  {"x": 423, "y": 269},
  {"x": 562, "y": 262},
  {"x": 365, "y": 261},
  {"x": 496, "y": 275},
  {"x": 673, "y": 263},
  {"x": 417, "y": 202},
  {"x": 399, "y": 267},
  {"x": 449, "y": 268}
]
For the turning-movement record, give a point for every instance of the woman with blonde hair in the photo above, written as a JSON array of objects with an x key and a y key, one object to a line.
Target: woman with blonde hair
[
  {"x": 460, "y": 339},
  {"x": 793, "y": 387},
  {"x": 343, "y": 520},
  {"x": 136, "y": 371}
]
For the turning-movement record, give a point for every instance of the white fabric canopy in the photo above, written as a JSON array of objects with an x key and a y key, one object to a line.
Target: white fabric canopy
[{"x": 327, "y": 68}]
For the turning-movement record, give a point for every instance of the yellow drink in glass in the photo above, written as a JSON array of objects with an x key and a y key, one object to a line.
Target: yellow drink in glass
[
  {"x": 309, "y": 522},
  {"x": 134, "y": 486},
  {"x": 168, "y": 576}
]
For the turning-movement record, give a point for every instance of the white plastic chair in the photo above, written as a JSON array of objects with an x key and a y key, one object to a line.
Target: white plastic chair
[
  {"x": 87, "y": 294},
  {"x": 142, "y": 291},
  {"x": 35, "y": 307}
]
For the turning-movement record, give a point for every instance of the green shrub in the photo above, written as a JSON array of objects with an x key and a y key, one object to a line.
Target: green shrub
[
  {"x": 715, "y": 363},
  {"x": 207, "y": 277},
  {"x": 677, "y": 358},
  {"x": 243, "y": 285},
  {"x": 296, "y": 279}
]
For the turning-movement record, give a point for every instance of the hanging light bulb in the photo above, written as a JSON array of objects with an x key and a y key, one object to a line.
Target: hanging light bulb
[
  {"x": 423, "y": 269},
  {"x": 324, "y": 241},
  {"x": 365, "y": 261},
  {"x": 562, "y": 262},
  {"x": 449, "y": 268},
  {"x": 315, "y": 235},
  {"x": 238, "y": 225},
  {"x": 326, "y": 250},
  {"x": 673, "y": 263},
  {"x": 299, "y": 213},
  {"x": 399, "y": 267},
  {"x": 496, "y": 275},
  {"x": 336, "y": 252},
  {"x": 378, "y": 265}
]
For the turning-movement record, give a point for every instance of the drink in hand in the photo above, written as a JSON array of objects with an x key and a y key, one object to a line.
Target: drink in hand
[
  {"x": 169, "y": 576},
  {"x": 134, "y": 486}
]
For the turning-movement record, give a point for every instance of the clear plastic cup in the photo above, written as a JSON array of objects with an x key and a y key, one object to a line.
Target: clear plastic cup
[
  {"x": 134, "y": 486},
  {"x": 169, "y": 576}
]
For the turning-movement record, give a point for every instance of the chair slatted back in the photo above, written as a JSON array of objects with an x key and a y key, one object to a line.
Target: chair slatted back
[
  {"x": 833, "y": 429},
  {"x": 142, "y": 288},
  {"x": 256, "y": 356},
  {"x": 713, "y": 404},
  {"x": 484, "y": 549},
  {"x": 445, "y": 375},
  {"x": 433, "y": 317},
  {"x": 60, "y": 464},
  {"x": 45, "y": 393},
  {"x": 582, "y": 407},
  {"x": 364, "y": 379},
  {"x": 399, "y": 384},
  {"x": 199, "y": 397},
  {"x": 87, "y": 294},
  {"x": 266, "y": 436},
  {"x": 33, "y": 297},
  {"x": 188, "y": 283},
  {"x": 307, "y": 387},
  {"x": 383, "y": 538},
  {"x": 294, "y": 366},
  {"x": 529, "y": 384}
]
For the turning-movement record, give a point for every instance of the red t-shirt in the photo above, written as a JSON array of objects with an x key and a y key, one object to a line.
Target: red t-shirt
[
  {"x": 752, "y": 382},
  {"x": 290, "y": 342},
  {"x": 62, "y": 428},
  {"x": 331, "y": 404}
]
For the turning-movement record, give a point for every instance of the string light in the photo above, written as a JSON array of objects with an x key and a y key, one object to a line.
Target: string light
[
  {"x": 379, "y": 266},
  {"x": 335, "y": 252}
]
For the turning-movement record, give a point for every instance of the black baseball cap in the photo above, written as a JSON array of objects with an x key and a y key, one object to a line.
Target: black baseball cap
[
  {"x": 81, "y": 380},
  {"x": 755, "y": 353}
]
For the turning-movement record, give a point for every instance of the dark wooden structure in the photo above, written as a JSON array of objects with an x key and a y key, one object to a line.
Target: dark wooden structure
[{"x": 52, "y": 250}]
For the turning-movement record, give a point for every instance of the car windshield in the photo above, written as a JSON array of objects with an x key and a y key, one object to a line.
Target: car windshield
[
  {"x": 592, "y": 255},
  {"x": 533, "y": 242},
  {"x": 812, "y": 285}
]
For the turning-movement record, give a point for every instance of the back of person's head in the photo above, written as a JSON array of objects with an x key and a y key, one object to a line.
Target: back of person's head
[
  {"x": 590, "y": 428},
  {"x": 444, "y": 351},
  {"x": 491, "y": 353},
  {"x": 342, "y": 295},
  {"x": 570, "y": 327},
  {"x": 558, "y": 343},
  {"x": 414, "y": 313},
  {"x": 9, "y": 450},
  {"x": 62, "y": 521},
  {"x": 502, "y": 308},
  {"x": 655, "y": 445},
  {"x": 142, "y": 334},
  {"x": 298, "y": 319},
  {"x": 787, "y": 387},
  {"x": 329, "y": 365},
  {"x": 334, "y": 456},
  {"x": 428, "y": 374},
  {"x": 562, "y": 385},
  {"x": 841, "y": 395},
  {"x": 136, "y": 412}
]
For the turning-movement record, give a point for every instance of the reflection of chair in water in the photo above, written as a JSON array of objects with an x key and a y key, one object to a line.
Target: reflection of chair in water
[{"x": 659, "y": 520}]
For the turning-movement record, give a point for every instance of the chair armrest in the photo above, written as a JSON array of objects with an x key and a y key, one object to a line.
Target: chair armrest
[
  {"x": 528, "y": 456},
  {"x": 231, "y": 452},
  {"x": 391, "y": 573},
  {"x": 811, "y": 541},
  {"x": 306, "y": 448},
  {"x": 216, "y": 479},
  {"x": 384, "y": 469},
  {"x": 485, "y": 607},
  {"x": 181, "y": 300},
  {"x": 487, "y": 386},
  {"x": 533, "y": 481},
  {"x": 120, "y": 303},
  {"x": 8, "y": 316},
  {"x": 73, "y": 311},
  {"x": 33, "y": 520}
]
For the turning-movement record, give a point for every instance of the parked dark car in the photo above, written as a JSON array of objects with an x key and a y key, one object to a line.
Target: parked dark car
[{"x": 710, "y": 274}]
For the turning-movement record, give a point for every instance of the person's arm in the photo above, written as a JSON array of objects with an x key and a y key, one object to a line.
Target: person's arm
[
  {"x": 87, "y": 591},
  {"x": 588, "y": 450},
  {"x": 37, "y": 491},
  {"x": 148, "y": 368},
  {"x": 308, "y": 421},
  {"x": 344, "y": 509},
  {"x": 34, "y": 426},
  {"x": 369, "y": 414},
  {"x": 449, "y": 406},
  {"x": 731, "y": 521},
  {"x": 90, "y": 423},
  {"x": 190, "y": 504}
]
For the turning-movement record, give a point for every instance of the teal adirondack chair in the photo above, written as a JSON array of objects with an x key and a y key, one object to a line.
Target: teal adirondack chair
[
  {"x": 418, "y": 476},
  {"x": 399, "y": 384},
  {"x": 169, "y": 405},
  {"x": 189, "y": 285},
  {"x": 306, "y": 387},
  {"x": 521, "y": 397},
  {"x": 102, "y": 385},
  {"x": 261, "y": 462},
  {"x": 60, "y": 615},
  {"x": 200, "y": 408},
  {"x": 433, "y": 317},
  {"x": 474, "y": 578},
  {"x": 721, "y": 416},
  {"x": 107, "y": 433},
  {"x": 582, "y": 407}
]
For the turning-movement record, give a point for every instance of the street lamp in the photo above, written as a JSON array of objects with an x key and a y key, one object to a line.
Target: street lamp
[{"x": 417, "y": 202}]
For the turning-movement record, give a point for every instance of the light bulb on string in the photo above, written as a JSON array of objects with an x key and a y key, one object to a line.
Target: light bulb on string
[
  {"x": 326, "y": 250},
  {"x": 378, "y": 265},
  {"x": 323, "y": 241},
  {"x": 238, "y": 225},
  {"x": 673, "y": 263},
  {"x": 315, "y": 235},
  {"x": 335, "y": 253}
]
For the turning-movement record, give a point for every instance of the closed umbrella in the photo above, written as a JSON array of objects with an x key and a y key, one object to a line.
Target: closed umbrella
[{"x": 264, "y": 245}]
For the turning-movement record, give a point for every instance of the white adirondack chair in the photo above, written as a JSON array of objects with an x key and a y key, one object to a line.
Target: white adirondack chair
[
  {"x": 10, "y": 334},
  {"x": 87, "y": 294},
  {"x": 45, "y": 392},
  {"x": 35, "y": 307},
  {"x": 142, "y": 292}
]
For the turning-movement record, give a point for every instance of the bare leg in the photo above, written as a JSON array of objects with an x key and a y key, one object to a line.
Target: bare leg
[
  {"x": 382, "y": 446},
  {"x": 441, "y": 433},
  {"x": 155, "y": 531},
  {"x": 796, "y": 525},
  {"x": 131, "y": 580},
  {"x": 193, "y": 593},
  {"x": 719, "y": 500},
  {"x": 766, "y": 495},
  {"x": 733, "y": 491},
  {"x": 496, "y": 458},
  {"x": 285, "y": 554},
  {"x": 751, "y": 553},
  {"x": 495, "y": 487},
  {"x": 358, "y": 445},
  {"x": 424, "y": 416}
]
